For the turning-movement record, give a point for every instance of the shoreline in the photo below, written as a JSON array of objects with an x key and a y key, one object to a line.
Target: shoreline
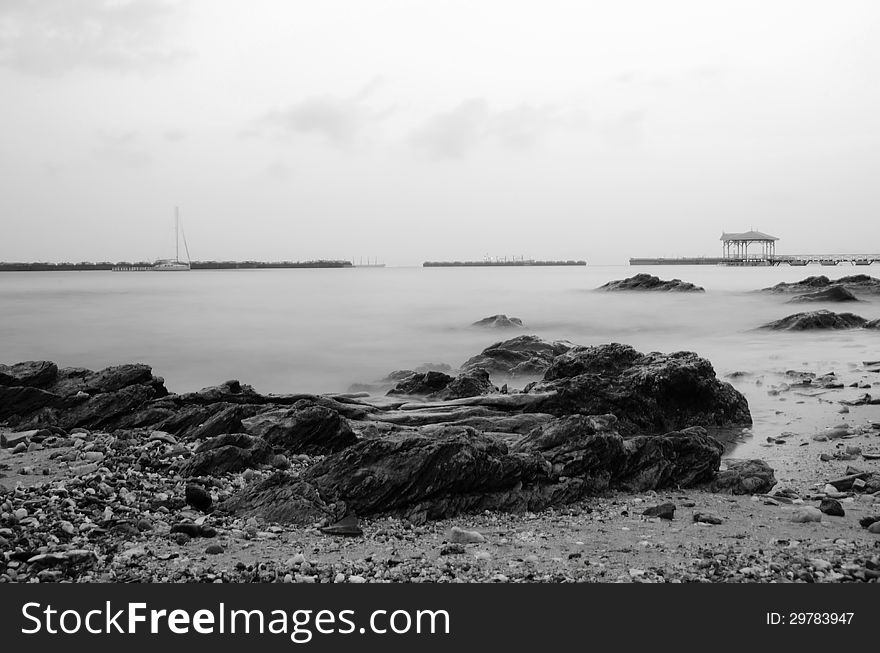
[{"x": 113, "y": 502}]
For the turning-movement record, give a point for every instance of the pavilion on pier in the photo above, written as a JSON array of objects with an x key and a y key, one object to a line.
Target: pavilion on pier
[{"x": 736, "y": 245}]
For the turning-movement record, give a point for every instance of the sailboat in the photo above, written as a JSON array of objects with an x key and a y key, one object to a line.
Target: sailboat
[{"x": 175, "y": 265}]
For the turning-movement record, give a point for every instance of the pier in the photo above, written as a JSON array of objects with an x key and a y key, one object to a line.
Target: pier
[
  {"x": 497, "y": 262},
  {"x": 735, "y": 252}
]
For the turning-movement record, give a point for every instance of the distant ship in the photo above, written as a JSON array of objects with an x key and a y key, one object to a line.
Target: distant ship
[
  {"x": 374, "y": 264},
  {"x": 165, "y": 264}
]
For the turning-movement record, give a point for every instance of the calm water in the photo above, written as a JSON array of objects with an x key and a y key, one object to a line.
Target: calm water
[{"x": 322, "y": 330}]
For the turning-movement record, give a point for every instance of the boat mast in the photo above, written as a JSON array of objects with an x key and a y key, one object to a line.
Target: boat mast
[{"x": 176, "y": 239}]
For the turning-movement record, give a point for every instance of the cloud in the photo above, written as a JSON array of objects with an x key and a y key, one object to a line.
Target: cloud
[
  {"x": 121, "y": 150},
  {"x": 339, "y": 120},
  {"x": 454, "y": 134},
  {"x": 49, "y": 38}
]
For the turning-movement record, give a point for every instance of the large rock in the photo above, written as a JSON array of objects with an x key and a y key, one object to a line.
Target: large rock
[
  {"x": 520, "y": 356},
  {"x": 38, "y": 374},
  {"x": 304, "y": 428},
  {"x": 744, "y": 477},
  {"x": 499, "y": 322},
  {"x": 19, "y": 401},
  {"x": 649, "y": 393},
  {"x": 644, "y": 281},
  {"x": 590, "y": 448},
  {"x": 856, "y": 283},
  {"x": 829, "y": 294},
  {"x": 460, "y": 470},
  {"x": 230, "y": 452},
  {"x": 873, "y": 324},
  {"x": 813, "y": 320}
]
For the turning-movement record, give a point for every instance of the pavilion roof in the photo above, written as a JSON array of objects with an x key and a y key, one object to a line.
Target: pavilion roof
[{"x": 747, "y": 235}]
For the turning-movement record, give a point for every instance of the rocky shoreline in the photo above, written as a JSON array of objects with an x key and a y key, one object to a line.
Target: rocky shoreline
[{"x": 109, "y": 477}]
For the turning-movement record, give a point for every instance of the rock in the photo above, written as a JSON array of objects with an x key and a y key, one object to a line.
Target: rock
[
  {"x": 38, "y": 374},
  {"x": 214, "y": 549},
  {"x": 472, "y": 383},
  {"x": 225, "y": 420},
  {"x": 499, "y": 322},
  {"x": 847, "y": 482},
  {"x": 460, "y": 536},
  {"x": 805, "y": 514},
  {"x": 12, "y": 438},
  {"x": 816, "y": 320},
  {"x": 520, "y": 356},
  {"x": 865, "y": 522},
  {"x": 190, "y": 530},
  {"x": 644, "y": 281},
  {"x": 649, "y": 393},
  {"x": 874, "y": 528},
  {"x": 829, "y": 294},
  {"x": 426, "y": 383},
  {"x": 227, "y": 453},
  {"x": 663, "y": 511},
  {"x": 24, "y": 400},
  {"x": 707, "y": 518},
  {"x": 347, "y": 526},
  {"x": 457, "y": 470},
  {"x": 856, "y": 283},
  {"x": 744, "y": 477},
  {"x": 198, "y": 497},
  {"x": 452, "y": 549},
  {"x": 305, "y": 428},
  {"x": 832, "y": 507}
]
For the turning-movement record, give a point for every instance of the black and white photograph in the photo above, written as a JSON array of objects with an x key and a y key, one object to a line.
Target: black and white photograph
[{"x": 429, "y": 292}]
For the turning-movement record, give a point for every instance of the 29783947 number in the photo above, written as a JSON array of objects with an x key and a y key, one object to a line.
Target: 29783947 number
[{"x": 809, "y": 618}]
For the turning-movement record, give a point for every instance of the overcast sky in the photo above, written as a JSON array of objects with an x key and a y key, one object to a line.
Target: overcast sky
[{"x": 410, "y": 130}]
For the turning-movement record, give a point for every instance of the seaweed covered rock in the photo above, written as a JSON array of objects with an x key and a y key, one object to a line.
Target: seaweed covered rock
[
  {"x": 830, "y": 294},
  {"x": 813, "y": 320},
  {"x": 520, "y": 356},
  {"x": 643, "y": 281},
  {"x": 649, "y": 393}
]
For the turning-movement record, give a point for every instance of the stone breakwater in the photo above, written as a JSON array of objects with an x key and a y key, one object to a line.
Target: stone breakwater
[{"x": 109, "y": 459}]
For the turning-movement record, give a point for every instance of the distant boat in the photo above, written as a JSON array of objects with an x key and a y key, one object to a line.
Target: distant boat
[
  {"x": 175, "y": 265},
  {"x": 797, "y": 262},
  {"x": 828, "y": 261},
  {"x": 374, "y": 264},
  {"x": 164, "y": 264},
  {"x": 863, "y": 261}
]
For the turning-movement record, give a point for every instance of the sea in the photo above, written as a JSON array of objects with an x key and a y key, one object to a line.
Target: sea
[{"x": 325, "y": 330}]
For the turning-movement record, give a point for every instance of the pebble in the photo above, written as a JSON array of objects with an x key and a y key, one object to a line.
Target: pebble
[
  {"x": 460, "y": 536},
  {"x": 806, "y": 514},
  {"x": 832, "y": 507},
  {"x": 663, "y": 511},
  {"x": 707, "y": 518},
  {"x": 198, "y": 497}
]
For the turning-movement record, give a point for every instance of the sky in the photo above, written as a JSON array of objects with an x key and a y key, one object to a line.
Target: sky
[{"x": 413, "y": 130}]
